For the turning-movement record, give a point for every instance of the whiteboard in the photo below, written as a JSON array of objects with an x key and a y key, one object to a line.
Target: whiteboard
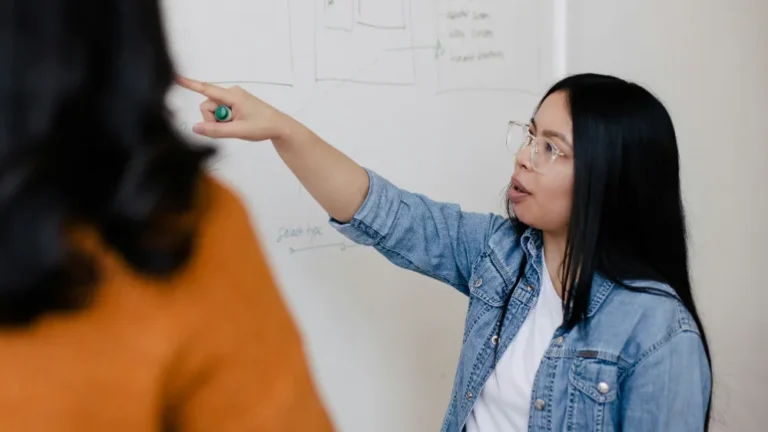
[{"x": 419, "y": 91}]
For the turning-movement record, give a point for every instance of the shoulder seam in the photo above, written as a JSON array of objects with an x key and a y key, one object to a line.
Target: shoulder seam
[
  {"x": 684, "y": 318},
  {"x": 674, "y": 332}
]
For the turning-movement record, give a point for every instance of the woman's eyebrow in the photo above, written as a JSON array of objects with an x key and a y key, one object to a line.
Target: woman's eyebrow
[
  {"x": 553, "y": 134},
  {"x": 556, "y": 134}
]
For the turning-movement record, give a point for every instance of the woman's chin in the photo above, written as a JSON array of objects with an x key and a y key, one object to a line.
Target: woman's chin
[
  {"x": 526, "y": 217},
  {"x": 519, "y": 211}
]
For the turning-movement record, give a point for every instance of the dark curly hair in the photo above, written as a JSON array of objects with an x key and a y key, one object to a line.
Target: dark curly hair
[{"x": 85, "y": 138}]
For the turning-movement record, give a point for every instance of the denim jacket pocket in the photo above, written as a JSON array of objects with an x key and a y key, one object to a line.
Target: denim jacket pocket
[
  {"x": 592, "y": 394},
  {"x": 486, "y": 283}
]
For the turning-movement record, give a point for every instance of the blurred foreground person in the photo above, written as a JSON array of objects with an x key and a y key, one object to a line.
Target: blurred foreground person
[{"x": 134, "y": 295}]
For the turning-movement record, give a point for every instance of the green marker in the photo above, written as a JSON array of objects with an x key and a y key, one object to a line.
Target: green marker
[{"x": 223, "y": 113}]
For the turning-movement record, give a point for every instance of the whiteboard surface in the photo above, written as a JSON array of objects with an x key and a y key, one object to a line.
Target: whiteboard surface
[{"x": 419, "y": 91}]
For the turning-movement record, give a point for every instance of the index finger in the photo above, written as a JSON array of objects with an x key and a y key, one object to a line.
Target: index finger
[{"x": 212, "y": 91}]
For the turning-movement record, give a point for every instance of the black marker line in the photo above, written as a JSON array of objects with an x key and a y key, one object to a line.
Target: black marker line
[
  {"x": 487, "y": 89},
  {"x": 342, "y": 247},
  {"x": 282, "y": 84}
]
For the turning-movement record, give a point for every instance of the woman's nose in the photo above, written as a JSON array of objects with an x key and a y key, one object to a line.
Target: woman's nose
[{"x": 523, "y": 158}]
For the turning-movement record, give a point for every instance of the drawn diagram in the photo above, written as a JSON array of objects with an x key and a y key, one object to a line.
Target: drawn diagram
[
  {"x": 487, "y": 45},
  {"x": 364, "y": 41},
  {"x": 230, "y": 37},
  {"x": 341, "y": 246},
  {"x": 311, "y": 237}
]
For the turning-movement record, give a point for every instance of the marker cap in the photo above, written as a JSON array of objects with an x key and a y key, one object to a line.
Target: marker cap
[{"x": 223, "y": 113}]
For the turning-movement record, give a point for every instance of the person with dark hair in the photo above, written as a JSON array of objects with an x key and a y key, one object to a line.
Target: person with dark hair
[
  {"x": 134, "y": 294},
  {"x": 581, "y": 314}
]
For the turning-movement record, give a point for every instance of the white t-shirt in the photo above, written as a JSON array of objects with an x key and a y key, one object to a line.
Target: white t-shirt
[{"x": 505, "y": 400}]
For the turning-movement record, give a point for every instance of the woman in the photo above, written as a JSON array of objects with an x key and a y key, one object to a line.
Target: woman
[
  {"x": 134, "y": 295},
  {"x": 581, "y": 315}
]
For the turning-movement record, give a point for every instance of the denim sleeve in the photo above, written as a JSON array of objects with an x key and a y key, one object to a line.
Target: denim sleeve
[
  {"x": 669, "y": 388},
  {"x": 414, "y": 232}
]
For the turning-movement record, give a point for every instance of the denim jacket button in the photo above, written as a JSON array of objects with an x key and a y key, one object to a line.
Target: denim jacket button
[
  {"x": 603, "y": 388},
  {"x": 478, "y": 282},
  {"x": 469, "y": 395},
  {"x": 529, "y": 287},
  {"x": 495, "y": 339},
  {"x": 539, "y": 404},
  {"x": 559, "y": 340}
]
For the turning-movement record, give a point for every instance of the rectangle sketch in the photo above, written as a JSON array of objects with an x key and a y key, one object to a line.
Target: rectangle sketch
[
  {"x": 233, "y": 41},
  {"x": 389, "y": 14},
  {"x": 362, "y": 53},
  {"x": 488, "y": 44}
]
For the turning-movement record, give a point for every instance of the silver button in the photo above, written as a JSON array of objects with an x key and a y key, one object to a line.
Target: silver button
[
  {"x": 469, "y": 395},
  {"x": 603, "y": 388},
  {"x": 478, "y": 282},
  {"x": 495, "y": 339},
  {"x": 529, "y": 287},
  {"x": 539, "y": 404},
  {"x": 559, "y": 340}
]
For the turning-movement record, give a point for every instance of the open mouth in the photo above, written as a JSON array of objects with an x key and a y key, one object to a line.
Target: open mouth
[{"x": 519, "y": 188}]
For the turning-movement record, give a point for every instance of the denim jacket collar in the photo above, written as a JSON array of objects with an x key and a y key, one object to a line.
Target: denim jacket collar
[{"x": 533, "y": 243}]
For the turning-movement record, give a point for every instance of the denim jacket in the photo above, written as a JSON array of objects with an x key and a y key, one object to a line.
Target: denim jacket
[{"x": 637, "y": 363}]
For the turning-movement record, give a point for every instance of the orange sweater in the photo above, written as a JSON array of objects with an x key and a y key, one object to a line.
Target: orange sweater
[{"x": 212, "y": 349}]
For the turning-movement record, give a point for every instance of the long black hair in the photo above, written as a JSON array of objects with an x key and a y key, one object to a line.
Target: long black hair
[
  {"x": 85, "y": 139},
  {"x": 627, "y": 219}
]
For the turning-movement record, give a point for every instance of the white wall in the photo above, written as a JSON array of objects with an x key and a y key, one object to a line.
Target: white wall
[{"x": 708, "y": 61}]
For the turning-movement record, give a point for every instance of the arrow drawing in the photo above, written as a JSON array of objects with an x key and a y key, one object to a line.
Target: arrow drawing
[{"x": 341, "y": 246}]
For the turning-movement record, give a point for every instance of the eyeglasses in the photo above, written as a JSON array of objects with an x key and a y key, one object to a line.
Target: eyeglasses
[{"x": 543, "y": 152}]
